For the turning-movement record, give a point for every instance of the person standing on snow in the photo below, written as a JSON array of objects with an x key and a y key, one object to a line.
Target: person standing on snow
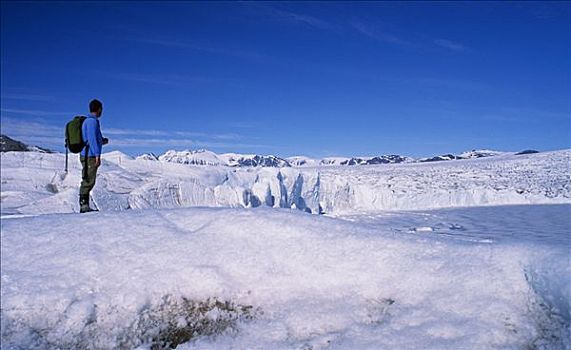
[{"x": 91, "y": 155}]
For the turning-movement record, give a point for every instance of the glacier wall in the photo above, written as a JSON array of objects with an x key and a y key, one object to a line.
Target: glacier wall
[
  {"x": 505, "y": 180},
  {"x": 34, "y": 183}
]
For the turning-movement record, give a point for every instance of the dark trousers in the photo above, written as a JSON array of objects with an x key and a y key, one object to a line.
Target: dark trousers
[{"x": 89, "y": 174}]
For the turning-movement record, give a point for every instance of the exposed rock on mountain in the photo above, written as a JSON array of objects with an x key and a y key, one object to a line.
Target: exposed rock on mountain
[{"x": 8, "y": 144}]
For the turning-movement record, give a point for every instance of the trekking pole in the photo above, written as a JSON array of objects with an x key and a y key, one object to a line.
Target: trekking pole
[
  {"x": 85, "y": 168},
  {"x": 66, "y": 156}
]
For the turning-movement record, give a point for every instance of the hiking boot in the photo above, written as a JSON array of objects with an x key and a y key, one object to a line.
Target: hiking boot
[
  {"x": 84, "y": 204},
  {"x": 86, "y": 209}
]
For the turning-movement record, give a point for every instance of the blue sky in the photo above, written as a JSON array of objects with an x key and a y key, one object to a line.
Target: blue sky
[{"x": 312, "y": 78}]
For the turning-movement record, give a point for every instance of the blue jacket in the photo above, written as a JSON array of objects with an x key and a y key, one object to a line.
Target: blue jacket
[{"x": 91, "y": 132}]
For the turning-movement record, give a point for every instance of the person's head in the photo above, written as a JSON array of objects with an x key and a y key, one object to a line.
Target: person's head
[{"x": 96, "y": 107}]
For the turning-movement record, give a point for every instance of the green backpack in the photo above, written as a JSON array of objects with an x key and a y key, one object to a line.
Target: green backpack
[{"x": 73, "y": 138}]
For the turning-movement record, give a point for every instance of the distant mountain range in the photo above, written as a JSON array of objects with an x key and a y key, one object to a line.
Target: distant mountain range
[{"x": 205, "y": 157}]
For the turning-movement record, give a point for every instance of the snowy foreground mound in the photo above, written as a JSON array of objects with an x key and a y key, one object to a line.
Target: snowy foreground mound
[
  {"x": 207, "y": 278},
  {"x": 35, "y": 183}
]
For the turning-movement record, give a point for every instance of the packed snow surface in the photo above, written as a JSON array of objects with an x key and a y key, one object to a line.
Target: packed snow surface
[{"x": 383, "y": 269}]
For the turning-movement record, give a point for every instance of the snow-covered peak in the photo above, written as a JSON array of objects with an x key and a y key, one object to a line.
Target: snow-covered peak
[
  {"x": 116, "y": 156},
  {"x": 466, "y": 155},
  {"x": 382, "y": 159},
  {"x": 440, "y": 158},
  {"x": 198, "y": 157},
  {"x": 334, "y": 160},
  {"x": 205, "y": 157},
  {"x": 298, "y": 161},
  {"x": 254, "y": 160},
  {"x": 148, "y": 156},
  {"x": 481, "y": 153}
]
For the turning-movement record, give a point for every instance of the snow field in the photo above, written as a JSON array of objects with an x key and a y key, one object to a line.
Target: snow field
[{"x": 315, "y": 282}]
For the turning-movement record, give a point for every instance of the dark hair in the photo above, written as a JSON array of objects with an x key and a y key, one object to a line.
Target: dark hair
[{"x": 95, "y": 105}]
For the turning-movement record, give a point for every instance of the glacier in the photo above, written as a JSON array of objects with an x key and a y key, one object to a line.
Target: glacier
[
  {"x": 467, "y": 254},
  {"x": 34, "y": 182}
]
